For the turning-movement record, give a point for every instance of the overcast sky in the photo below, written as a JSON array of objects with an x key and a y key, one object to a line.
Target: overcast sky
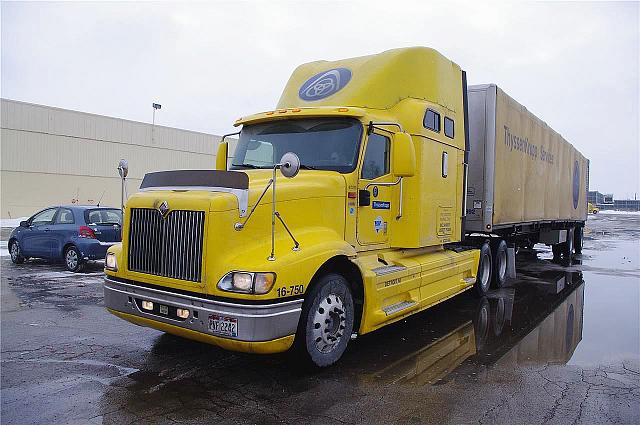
[{"x": 575, "y": 65}]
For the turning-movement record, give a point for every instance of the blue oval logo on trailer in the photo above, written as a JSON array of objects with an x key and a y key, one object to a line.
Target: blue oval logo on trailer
[
  {"x": 576, "y": 184},
  {"x": 324, "y": 84}
]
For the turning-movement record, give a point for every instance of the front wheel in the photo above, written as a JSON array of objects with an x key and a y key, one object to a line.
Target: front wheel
[
  {"x": 326, "y": 322},
  {"x": 73, "y": 259},
  {"x": 16, "y": 253}
]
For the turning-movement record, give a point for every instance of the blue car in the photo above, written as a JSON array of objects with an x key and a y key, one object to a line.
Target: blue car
[{"x": 74, "y": 234}]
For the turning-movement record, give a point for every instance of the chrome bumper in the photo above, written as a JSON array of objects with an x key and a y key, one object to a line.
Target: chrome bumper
[{"x": 255, "y": 322}]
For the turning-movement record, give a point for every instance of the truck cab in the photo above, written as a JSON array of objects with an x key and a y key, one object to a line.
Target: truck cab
[{"x": 340, "y": 211}]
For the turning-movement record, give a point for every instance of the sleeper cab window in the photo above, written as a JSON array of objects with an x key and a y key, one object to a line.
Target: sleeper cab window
[
  {"x": 448, "y": 127},
  {"x": 431, "y": 120},
  {"x": 376, "y": 157}
]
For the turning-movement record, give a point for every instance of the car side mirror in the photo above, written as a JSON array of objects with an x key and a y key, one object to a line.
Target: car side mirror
[
  {"x": 24, "y": 224},
  {"x": 404, "y": 155},
  {"x": 364, "y": 198}
]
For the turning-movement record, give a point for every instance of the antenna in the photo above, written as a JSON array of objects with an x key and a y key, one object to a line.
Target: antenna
[{"x": 101, "y": 196}]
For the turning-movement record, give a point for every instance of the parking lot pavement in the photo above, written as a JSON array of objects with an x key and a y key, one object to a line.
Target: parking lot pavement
[{"x": 559, "y": 345}]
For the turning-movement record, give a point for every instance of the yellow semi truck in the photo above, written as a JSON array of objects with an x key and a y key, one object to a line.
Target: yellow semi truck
[{"x": 379, "y": 186}]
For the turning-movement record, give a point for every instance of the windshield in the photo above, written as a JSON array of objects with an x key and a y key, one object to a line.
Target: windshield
[
  {"x": 321, "y": 144},
  {"x": 103, "y": 216}
]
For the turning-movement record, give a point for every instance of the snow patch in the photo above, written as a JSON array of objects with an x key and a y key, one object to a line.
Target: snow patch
[
  {"x": 616, "y": 212},
  {"x": 4, "y": 249},
  {"x": 12, "y": 222}
]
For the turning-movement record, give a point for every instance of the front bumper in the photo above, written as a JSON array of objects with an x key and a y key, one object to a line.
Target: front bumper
[{"x": 258, "y": 325}]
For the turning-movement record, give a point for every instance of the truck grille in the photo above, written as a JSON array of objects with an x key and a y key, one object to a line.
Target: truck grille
[{"x": 169, "y": 246}]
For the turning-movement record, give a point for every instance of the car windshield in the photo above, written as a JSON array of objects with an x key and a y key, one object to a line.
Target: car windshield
[
  {"x": 103, "y": 216},
  {"x": 321, "y": 144}
]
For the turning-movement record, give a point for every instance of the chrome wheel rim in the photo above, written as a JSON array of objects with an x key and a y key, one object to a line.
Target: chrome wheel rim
[
  {"x": 72, "y": 259},
  {"x": 484, "y": 279},
  {"x": 329, "y": 322},
  {"x": 14, "y": 251}
]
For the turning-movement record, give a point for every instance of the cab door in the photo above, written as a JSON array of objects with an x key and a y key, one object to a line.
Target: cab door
[{"x": 375, "y": 216}]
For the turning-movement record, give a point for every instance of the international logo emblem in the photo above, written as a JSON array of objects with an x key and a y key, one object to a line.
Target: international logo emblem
[
  {"x": 324, "y": 84},
  {"x": 163, "y": 208}
]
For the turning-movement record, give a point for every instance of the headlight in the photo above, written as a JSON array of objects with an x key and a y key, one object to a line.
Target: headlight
[
  {"x": 247, "y": 282},
  {"x": 110, "y": 263}
]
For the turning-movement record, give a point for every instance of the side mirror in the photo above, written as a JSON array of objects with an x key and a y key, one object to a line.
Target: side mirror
[
  {"x": 24, "y": 224},
  {"x": 290, "y": 165},
  {"x": 221, "y": 156},
  {"x": 404, "y": 155}
]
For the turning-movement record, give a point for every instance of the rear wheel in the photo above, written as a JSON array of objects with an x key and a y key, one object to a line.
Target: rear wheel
[
  {"x": 499, "y": 264},
  {"x": 73, "y": 259},
  {"x": 326, "y": 322},
  {"x": 578, "y": 234},
  {"x": 567, "y": 247},
  {"x": 483, "y": 278},
  {"x": 16, "y": 253}
]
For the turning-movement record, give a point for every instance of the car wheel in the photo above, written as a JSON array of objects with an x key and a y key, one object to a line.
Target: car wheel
[
  {"x": 73, "y": 259},
  {"x": 499, "y": 265},
  {"x": 16, "y": 253},
  {"x": 326, "y": 322},
  {"x": 483, "y": 277}
]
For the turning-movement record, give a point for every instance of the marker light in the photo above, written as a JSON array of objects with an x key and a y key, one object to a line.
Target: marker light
[
  {"x": 147, "y": 305},
  {"x": 182, "y": 313}
]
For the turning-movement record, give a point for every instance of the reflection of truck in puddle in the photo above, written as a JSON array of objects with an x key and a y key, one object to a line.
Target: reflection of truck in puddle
[
  {"x": 404, "y": 188},
  {"x": 529, "y": 325}
]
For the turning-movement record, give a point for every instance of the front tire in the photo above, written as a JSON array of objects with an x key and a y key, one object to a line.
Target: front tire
[
  {"x": 326, "y": 321},
  {"x": 483, "y": 277},
  {"x": 16, "y": 253},
  {"x": 73, "y": 260}
]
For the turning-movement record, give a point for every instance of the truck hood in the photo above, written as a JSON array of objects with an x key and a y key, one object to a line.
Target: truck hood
[{"x": 307, "y": 184}]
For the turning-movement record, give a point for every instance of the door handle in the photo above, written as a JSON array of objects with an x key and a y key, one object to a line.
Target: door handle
[{"x": 46, "y": 229}]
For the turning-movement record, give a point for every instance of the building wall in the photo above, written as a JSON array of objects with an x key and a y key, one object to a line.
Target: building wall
[{"x": 55, "y": 156}]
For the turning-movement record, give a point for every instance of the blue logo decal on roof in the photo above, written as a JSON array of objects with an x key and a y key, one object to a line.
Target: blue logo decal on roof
[{"x": 324, "y": 84}]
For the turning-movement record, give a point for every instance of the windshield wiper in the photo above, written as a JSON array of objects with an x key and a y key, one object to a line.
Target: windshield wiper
[{"x": 247, "y": 166}]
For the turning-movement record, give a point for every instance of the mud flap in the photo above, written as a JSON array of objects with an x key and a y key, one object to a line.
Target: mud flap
[{"x": 511, "y": 263}]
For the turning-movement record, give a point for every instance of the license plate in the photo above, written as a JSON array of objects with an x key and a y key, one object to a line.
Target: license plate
[
  {"x": 223, "y": 325},
  {"x": 164, "y": 309}
]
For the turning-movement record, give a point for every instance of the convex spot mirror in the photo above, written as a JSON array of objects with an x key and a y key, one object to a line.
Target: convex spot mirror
[
  {"x": 123, "y": 168},
  {"x": 403, "y": 155},
  {"x": 290, "y": 165}
]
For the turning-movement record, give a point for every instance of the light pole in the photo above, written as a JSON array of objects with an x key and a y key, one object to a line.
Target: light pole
[{"x": 153, "y": 125}]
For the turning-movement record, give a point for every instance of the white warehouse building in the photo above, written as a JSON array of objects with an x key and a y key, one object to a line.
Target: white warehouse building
[{"x": 53, "y": 156}]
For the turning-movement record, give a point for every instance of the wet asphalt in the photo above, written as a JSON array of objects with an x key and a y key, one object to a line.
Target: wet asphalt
[{"x": 560, "y": 344}]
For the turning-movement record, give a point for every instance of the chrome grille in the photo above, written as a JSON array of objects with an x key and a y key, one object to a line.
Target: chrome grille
[{"x": 169, "y": 246}]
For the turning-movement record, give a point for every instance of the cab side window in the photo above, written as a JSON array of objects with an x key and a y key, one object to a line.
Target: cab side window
[
  {"x": 65, "y": 216},
  {"x": 431, "y": 120},
  {"x": 376, "y": 157},
  {"x": 43, "y": 217}
]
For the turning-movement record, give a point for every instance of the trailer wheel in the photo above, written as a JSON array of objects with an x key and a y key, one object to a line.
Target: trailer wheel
[
  {"x": 578, "y": 234},
  {"x": 326, "y": 321},
  {"x": 483, "y": 278},
  {"x": 567, "y": 247},
  {"x": 499, "y": 264}
]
